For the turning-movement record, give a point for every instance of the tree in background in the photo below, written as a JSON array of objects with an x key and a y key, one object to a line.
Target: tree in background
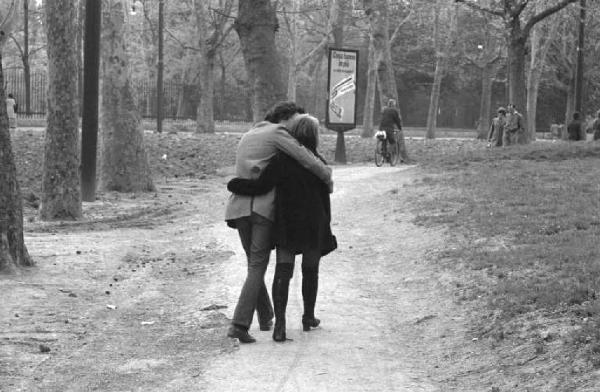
[
  {"x": 13, "y": 251},
  {"x": 61, "y": 193},
  {"x": 28, "y": 46},
  {"x": 518, "y": 31},
  {"x": 256, "y": 25},
  {"x": 484, "y": 47},
  {"x": 542, "y": 37},
  {"x": 442, "y": 45},
  {"x": 371, "y": 88},
  {"x": 377, "y": 11},
  {"x": 213, "y": 25},
  {"x": 123, "y": 161}
]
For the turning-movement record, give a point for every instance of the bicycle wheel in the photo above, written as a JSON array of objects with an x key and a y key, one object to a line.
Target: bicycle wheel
[
  {"x": 395, "y": 153},
  {"x": 379, "y": 158}
]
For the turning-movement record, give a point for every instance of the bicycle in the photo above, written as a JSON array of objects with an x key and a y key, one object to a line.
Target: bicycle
[{"x": 381, "y": 150}]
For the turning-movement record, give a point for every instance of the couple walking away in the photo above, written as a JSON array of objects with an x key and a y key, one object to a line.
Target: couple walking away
[{"x": 280, "y": 199}]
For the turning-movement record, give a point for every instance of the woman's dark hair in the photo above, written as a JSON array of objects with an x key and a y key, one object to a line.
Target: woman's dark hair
[
  {"x": 306, "y": 131},
  {"x": 283, "y": 111}
]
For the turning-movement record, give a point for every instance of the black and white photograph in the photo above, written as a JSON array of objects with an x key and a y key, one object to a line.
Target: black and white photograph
[{"x": 300, "y": 195}]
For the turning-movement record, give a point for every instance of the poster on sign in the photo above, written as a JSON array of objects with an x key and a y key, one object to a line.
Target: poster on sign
[{"x": 341, "y": 88}]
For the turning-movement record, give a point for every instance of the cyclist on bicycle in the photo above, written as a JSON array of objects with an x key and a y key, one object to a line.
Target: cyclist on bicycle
[{"x": 390, "y": 117}]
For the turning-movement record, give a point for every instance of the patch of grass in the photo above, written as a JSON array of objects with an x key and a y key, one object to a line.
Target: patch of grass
[{"x": 529, "y": 218}]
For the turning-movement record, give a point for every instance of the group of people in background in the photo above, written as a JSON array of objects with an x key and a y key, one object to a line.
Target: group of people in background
[
  {"x": 507, "y": 127},
  {"x": 578, "y": 128}
]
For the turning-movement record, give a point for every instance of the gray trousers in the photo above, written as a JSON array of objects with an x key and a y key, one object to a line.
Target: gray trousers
[{"x": 256, "y": 234}]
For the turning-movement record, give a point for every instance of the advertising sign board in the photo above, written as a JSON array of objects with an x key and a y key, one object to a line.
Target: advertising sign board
[{"x": 341, "y": 88}]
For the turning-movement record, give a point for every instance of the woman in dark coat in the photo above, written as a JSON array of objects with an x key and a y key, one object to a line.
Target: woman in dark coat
[{"x": 302, "y": 223}]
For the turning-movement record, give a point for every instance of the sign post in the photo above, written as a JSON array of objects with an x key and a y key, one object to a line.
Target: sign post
[{"x": 341, "y": 98}]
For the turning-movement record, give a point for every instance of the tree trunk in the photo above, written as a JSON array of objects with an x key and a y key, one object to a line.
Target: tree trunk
[
  {"x": 205, "y": 116},
  {"x": 318, "y": 92},
  {"x": 13, "y": 251},
  {"x": 518, "y": 83},
  {"x": 370, "y": 95},
  {"x": 187, "y": 106},
  {"x": 434, "y": 99},
  {"x": 379, "y": 28},
  {"x": 124, "y": 165},
  {"x": 256, "y": 25},
  {"x": 293, "y": 57},
  {"x": 26, "y": 66},
  {"x": 79, "y": 39},
  {"x": 570, "y": 109},
  {"x": 386, "y": 81},
  {"x": 61, "y": 193},
  {"x": 487, "y": 80},
  {"x": 538, "y": 58}
]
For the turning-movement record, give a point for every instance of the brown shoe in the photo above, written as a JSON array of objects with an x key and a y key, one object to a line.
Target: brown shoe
[{"x": 235, "y": 331}]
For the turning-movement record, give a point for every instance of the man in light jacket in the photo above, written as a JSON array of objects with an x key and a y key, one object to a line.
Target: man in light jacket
[{"x": 253, "y": 216}]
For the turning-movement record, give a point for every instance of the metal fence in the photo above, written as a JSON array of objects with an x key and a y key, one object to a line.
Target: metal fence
[{"x": 178, "y": 100}]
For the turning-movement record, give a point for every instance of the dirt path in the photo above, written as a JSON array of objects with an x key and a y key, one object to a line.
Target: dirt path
[
  {"x": 381, "y": 312},
  {"x": 139, "y": 301}
]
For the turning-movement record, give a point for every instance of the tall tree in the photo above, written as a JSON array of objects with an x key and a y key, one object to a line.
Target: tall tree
[
  {"x": 518, "y": 30},
  {"x": 377, "y": 12},
  {"x": 442, "y": 45},
  {"x": 488, "y": 54},
  {"x": 13, "y": 251},
  {"x": 123, "y": 161},
  {"x": 538, "y": 52},
  {"x": 212, "y": 30},
  {"x": 61, "y": 193},
  {"x": 369, "y": 106},
  {"x": 256, "y": 25}
]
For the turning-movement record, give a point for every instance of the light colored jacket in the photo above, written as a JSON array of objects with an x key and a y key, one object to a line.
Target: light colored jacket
[{"x": 255, "y": 150}]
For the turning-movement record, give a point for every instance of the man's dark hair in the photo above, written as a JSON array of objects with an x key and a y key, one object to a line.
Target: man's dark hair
[
  {"x": 576, "y": 115},
  {"x": 283, "y": 111}
]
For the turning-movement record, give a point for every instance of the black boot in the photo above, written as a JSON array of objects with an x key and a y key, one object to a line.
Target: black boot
[
  {"x": 310, "y": 285},
  {"x": 281, "y": 284}
]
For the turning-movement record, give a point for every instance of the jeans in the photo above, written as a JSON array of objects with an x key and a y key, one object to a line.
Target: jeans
[{"x": 256, "y": 235}]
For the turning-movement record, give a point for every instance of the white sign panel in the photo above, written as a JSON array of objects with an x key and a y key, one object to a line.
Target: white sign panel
[{"x": 341, "y": 103}]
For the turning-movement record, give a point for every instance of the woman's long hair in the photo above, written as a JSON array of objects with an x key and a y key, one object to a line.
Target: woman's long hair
[{"x": 306, "y": 131}]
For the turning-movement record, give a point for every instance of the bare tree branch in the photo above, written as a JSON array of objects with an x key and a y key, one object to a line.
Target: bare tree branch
[
  {"x": 544, "y": 14},
  {"x": 396, "y": 32},
  {"x": 480, "y": 8}
]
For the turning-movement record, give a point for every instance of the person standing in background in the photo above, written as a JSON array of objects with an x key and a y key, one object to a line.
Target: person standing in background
[
  {"x": 514, "y": 126},
  {"x": 575, "y": 128},
  {"x": 11, "y": 110},
  {"x": 596, "y": 127},
  {"x": 497, "y": 129}
]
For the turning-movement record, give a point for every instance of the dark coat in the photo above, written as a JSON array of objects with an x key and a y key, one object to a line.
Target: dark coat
[
  {"x": 575, "y": 130},
  {"x": 596, "y": 129},
  {"x": 302, "y": 205},
  {"x": 389, "y": 118}
]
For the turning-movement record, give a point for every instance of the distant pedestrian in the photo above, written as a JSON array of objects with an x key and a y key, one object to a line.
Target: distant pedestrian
[
  {"x": 575, "y": 128},
  {"x": 11, "y": 110},
  {"x": 596, "y": 126},
  {"x": 497, "y": 129},
  {"x": 390, "y": 117},
  {"x": 514, "y": 128}
]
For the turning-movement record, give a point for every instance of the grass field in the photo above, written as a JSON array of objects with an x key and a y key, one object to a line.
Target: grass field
[{"x": 525, "y": 225}]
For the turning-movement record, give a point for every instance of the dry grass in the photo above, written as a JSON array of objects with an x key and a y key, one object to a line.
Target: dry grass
[{"x": 526, "y": 222}]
